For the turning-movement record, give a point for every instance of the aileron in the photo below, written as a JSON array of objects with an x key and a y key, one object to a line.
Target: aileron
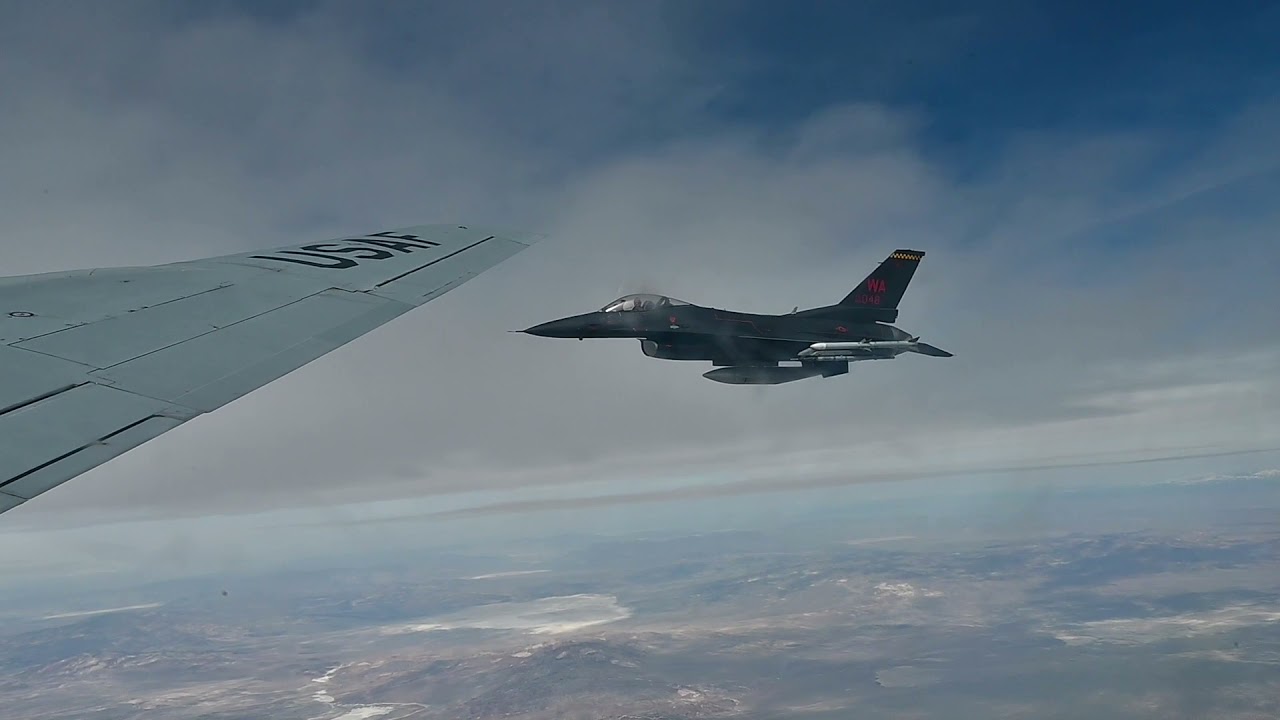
[
  {"x": 86, "y": 457},
  {"x": 28, "y": 376},
  {"x": 52, "y": 429}
]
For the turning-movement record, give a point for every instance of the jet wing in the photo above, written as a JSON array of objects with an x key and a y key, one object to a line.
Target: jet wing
[{"x": 96, "y": 362}]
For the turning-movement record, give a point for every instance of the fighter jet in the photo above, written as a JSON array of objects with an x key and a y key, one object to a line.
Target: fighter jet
[
  {"x": 749, "y": 349},
  {"x": 96, "y": 362}
]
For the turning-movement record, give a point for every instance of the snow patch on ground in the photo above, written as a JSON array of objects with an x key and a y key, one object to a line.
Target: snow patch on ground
[
  {"x": 545, "y": 616},
  {"x": 509, "y": 573},
  {"x": 104, "y": 611},
  {"x": 1134, "y": 631},
  {"x": 366, "y": 712},
  {"x": 904, "y": 590}
]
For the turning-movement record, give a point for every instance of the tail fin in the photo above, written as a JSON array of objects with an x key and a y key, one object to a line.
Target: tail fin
[{"x": 884, "y": 287}]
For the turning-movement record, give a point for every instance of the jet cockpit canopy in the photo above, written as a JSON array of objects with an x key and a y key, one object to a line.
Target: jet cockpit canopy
[{"x": 641, "y": 302}]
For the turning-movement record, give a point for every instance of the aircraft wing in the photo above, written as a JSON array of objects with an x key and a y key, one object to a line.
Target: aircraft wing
[{"x": 96, "y": 362}]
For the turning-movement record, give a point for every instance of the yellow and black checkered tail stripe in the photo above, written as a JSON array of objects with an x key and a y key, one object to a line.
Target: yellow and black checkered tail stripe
[{"x": 884, "y": 287}]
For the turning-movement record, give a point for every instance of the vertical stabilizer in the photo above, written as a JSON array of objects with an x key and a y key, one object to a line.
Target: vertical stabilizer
[{"x": 884, "y": 287}]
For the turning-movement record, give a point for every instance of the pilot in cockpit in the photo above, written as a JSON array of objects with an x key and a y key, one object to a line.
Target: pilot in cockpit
[{"x": 640, "y": 303}]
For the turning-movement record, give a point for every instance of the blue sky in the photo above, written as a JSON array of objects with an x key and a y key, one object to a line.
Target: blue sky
[
  {"x": 1094, "y": 186},
  {"x": 984, "y": 69},
  {"x": 980, "y": 73}
]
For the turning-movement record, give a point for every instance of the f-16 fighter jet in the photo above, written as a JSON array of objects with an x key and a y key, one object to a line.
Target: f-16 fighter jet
[{"x": 749, "y": 349}]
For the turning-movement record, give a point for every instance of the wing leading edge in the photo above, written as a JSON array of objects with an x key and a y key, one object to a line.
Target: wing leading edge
[{"x": 98, "y": 362}]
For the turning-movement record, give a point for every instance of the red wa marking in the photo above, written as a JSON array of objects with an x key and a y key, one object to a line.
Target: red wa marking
[{"x": 877, "y": 285}]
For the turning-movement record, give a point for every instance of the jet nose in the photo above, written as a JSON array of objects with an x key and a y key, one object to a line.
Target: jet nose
[{"x": 565, "y": 328}]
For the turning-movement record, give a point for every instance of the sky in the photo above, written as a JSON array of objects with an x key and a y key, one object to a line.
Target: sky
[{"x": 1094, "y": 188}]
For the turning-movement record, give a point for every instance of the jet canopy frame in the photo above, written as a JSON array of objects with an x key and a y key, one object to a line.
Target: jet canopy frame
[{"x": 641, "y": 302}]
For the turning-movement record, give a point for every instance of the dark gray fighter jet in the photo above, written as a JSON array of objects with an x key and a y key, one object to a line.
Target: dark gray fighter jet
[{"x": 749, "y": 349}]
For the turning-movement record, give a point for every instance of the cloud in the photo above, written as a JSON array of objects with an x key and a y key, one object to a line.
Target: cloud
[
  {"x": 1105, "y": 289},
  {"x": 789, "y": 474}
]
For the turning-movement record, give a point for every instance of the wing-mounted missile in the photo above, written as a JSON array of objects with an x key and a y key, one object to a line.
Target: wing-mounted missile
[
  {"x": 930, "y": 350},
  {"x": 867, "y": 350}
]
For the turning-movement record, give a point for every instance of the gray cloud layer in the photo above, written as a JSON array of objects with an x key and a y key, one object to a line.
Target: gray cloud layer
[{"x": 1105, "y": 291}]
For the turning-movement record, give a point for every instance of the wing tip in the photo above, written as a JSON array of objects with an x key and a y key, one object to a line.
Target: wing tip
[
  {"x": 522, "y": 237},
  {"x": 527, "y": 239}
]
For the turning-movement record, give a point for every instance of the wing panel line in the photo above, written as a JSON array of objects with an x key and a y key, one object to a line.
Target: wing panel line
[
  {"x": 42, "y": 396},
  {"x": 82, "y": 448},
  {"x": 212, "y": 330},
  {"x": 406, "y": 274},
  {"x": 82, "y": 323}
]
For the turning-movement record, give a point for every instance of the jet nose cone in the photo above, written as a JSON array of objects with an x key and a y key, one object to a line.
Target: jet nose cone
[{"x": 556, "y": 329}]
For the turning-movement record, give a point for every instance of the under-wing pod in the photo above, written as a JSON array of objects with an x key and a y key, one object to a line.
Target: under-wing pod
[{"x": 771, "y": 374}]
